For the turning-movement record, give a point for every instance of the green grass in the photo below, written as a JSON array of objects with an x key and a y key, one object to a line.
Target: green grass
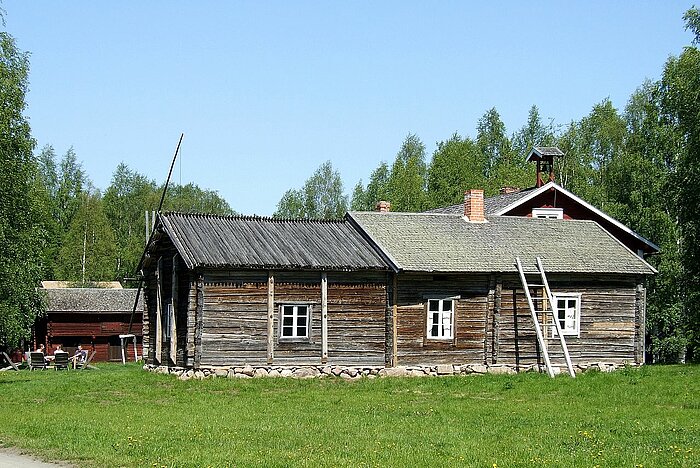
[{"x": 124, "y": 416}]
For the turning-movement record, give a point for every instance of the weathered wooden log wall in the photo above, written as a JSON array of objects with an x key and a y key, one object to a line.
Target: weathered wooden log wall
[
  {"x": 95, "y": 331},
  {"x": 493, "y": 324},
  {"x": 222, "y": 318},
  {"x": 356, "y": 318},
  {"x": 235, "y": 318},
  {"x": 608, "y": 322},
  {"x": 471, "y": 307}
]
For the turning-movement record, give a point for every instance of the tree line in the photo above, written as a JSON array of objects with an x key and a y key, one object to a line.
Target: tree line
[
  {"x": 54, "y": 223},
  {"x": 641, "y": 165}
]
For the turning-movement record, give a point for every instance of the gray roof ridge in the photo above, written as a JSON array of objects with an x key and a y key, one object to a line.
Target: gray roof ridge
[
  {"x": 254, "y": 217},
  {"x": 408, "y": 213}
]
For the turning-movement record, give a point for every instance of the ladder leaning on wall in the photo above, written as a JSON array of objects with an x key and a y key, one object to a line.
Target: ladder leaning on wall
[{"x": 543, "y": 305}]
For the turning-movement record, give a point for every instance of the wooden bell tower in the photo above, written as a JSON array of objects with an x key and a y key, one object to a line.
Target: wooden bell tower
[{"x": 544, "y": 156}]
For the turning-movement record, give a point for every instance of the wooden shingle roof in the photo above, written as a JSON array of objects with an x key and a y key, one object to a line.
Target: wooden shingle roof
[
  {"x": 91, "y": 300},
  {"x": 257, "y": 242},
  {"x": 491, "y": 204},
  {"x": 433, "y": 242}
]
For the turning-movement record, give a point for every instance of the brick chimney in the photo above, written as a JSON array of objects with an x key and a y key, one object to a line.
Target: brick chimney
[
  {"x": 383, "y": 206},
  {"x": 474, "y": 205},
  {"x": 507, "y": 190}
]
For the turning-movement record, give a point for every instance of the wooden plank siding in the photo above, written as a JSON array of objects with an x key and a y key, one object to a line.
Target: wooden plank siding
[
  {"x": 413, "y": 348},
  {"x": 222, "y": 318},
  {"x": 235, "y": 313},
  {"x": 607, "y": 323},
  {"x": 493, "y": 323}
]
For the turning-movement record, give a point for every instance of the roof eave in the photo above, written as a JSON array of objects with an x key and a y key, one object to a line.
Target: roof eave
[{"x": 555, "y": 186}]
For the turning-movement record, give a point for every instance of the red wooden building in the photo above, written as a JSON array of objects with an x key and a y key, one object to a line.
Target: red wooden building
[{"x": 91, "y": 317}]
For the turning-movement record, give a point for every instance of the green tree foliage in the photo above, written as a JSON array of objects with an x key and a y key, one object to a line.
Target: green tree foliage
[
  {"x": 407, "y": 179},
  {"x": 321, "y": 197},
  {"x": 377, "y": 190},
  {"x": 48, "y": 189},
  {"x": 590, "y": 145},
  {"x": 127, "y": 199},
  {"x": 89, "y": 250},
  {"x": 191, "y": 198},
  {"x": 358, "y": 201},
  {"x": 680, "y": 101},
  {"x": 457, "y": 165},
  {"x": 492, "y": 141},
  {"x": 21, "y": 230},
  {"x": 71, "y": 184},
  {"x": 534, "y": 133}
]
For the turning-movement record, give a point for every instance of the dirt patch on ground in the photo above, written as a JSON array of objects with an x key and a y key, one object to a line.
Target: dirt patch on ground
[{"x": 11, "y": 457}]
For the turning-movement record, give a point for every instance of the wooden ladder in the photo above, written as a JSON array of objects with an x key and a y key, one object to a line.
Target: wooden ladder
[{"x": 546, "y": 308}]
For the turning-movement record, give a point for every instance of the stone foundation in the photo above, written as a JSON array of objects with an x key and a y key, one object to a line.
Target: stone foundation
[{"x": 354, "y": 373}]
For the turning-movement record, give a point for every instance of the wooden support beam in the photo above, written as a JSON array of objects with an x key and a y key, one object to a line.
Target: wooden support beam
[
  {"x": 497, "y": 320},
  {"x": 159, "y": 312},
  {"x": 173, "y": 313},
  {"x": 394, "y": 311},
  {"x": 324, "y": 317},
  {"x": 199, "y": 321},
  {"x": 270, "y": 317}
]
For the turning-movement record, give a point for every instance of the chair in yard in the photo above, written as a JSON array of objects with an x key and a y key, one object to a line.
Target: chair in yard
[
  {"x": 86, "y": 364},
  {"x": 37, "y": 361},
  {"x": 60, "y": 361},
  {"x": 12, "y": 366}
]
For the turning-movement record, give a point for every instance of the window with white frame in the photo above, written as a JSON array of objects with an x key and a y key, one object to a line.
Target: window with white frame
[
  {"x": 548, "y": 213},
  {"x": 440, "y": 319},
  {"x": 567, "y": 310},
  {"x": 295, "y": 321}
]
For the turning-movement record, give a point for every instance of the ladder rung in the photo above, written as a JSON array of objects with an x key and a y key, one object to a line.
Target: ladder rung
[{"x": 535, "y": 286}]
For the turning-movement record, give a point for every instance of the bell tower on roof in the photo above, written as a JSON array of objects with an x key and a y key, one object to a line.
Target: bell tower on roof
[{"x": 544, "y": 156}]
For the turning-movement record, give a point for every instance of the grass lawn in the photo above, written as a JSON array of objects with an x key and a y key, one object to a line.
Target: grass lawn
[{"x": 124, "y": 416}]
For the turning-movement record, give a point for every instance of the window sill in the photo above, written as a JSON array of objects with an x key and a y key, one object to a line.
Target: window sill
[{"x": 293, "y": 340}]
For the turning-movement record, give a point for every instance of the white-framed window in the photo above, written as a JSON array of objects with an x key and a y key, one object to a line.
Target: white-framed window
[
  {"x": 440, "y": 319},
  {"x": 294, "y": 321},
  {"x": 567, "y": 310},
  {"x": 548, "y": 213}
]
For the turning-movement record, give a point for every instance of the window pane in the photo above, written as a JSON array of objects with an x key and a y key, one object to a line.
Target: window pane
[
  {"x": 287, "y": 331},
  {"x": 301, "y": 331},
  {"x": 433, "y": 305},
  {"x": 287, "y": 321},
  {"x": 301, "y": 321},
  {"x": 434, "y": 330},
  {"x": 302, "y": 310},
  {"x": 447, "y": 306}
]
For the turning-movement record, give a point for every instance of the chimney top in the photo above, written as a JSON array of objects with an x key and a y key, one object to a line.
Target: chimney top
[
  {"x": 507, "y": 190},
  {"x": 474, "y": 205},
  {"x": 383, "y": 206}
]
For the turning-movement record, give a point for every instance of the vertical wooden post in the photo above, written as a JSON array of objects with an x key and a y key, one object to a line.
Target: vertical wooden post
[
  {"x": 173, "y": 313},
  {"x": 270, "y": 317},
  {"x": 497, "y": 320},
  {"x": 159, "y": 311},
  {"x": 639, "y": 320},
  {"x": 324, "y": 317},
  {"x": 199, "y": 321},
  {"x": 394, "y": 311}
]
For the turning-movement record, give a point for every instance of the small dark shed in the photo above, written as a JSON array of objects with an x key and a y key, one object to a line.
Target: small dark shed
[{"x": 93, "y": 317}]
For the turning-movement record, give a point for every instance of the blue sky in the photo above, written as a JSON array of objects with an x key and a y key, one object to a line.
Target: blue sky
[{"x": 265, "y": 92}]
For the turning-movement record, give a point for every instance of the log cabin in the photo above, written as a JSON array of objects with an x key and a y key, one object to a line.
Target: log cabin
[
  {"x": 231, "y": 291},
  {"x": 457, "y": 296},
  {"x": 92, "y": 317},
  {"x": 389, "y": 289}
]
